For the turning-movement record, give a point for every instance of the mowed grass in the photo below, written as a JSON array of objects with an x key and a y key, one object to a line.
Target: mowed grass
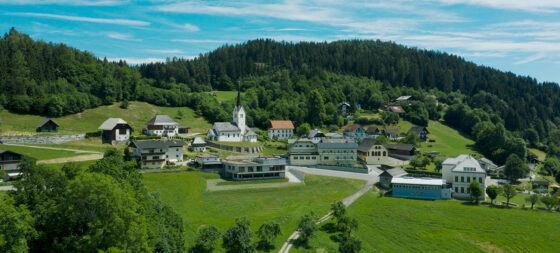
[
  {"x": 137, "y": 114},
  {"x": 186, "y": 193},
  {"x": 541, "y": 155},
  {"x": 448, "y": 141},
  {"x": 39, "y": 153},
  {"x": 90, "y": 144},
  {"x": 405, "y": 225},
  {"x": 226, "y": 96}
]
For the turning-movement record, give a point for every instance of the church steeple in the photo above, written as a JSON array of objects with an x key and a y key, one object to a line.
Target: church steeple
[{"x": 238, "y": 95}]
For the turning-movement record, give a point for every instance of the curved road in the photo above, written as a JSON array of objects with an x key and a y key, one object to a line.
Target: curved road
[{"x": 370, "y": 179}]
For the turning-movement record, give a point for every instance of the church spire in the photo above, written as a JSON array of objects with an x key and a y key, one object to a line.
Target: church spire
[{"x": 238, "y": 95}]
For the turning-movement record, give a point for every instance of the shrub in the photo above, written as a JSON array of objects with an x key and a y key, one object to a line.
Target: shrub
[{"x": 94, "y": 134}]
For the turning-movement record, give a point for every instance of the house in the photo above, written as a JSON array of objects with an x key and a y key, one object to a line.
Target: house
[
  {"x": 404, "y": 99},
  {"x": 401, "y": 151},
  {"x": 115, "y": 131},
  {"x": 9, "y": 162},
  {"x": 198, "y": 145},
  {"x": 355, "y": 132},
  {"x": 343, "y": 108},
  {"x": 280, "y": 129},
  {"x": 48, "y": 126},
  {"x": 156, "y": 154},
  {"x": 395, "y": 109},
  {"x": 334, "y": 136},
  {"x": 235, "y": 131},
  {"x": 386, "y": 176},
  {"x": 420, "y": 188},
  {"x": 421, "y": 132},
  {"x": 487, "y": 164},
  {"x": 432, "y": 97},
  {"x": 303, "y": 151},
  {"x": 372, "y": 151},
  {"x": 262, "y": 167},
  {"x": 541, "y": 186},
  {"x": 391, "y": 133},
  {"x": 184, "y": 130},
  {"x": 337, "y": 152},
  {"x": 208, "y": 160},
  {"x": 460, "y": 171},
  {"x": 316, "y": 134},
  {"x": 162, "y": 125},
  {"x": 373, "y": 131}
]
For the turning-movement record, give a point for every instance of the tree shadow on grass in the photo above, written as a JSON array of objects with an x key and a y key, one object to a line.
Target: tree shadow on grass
[
  {"x": 263, "y": 246},
  {"x": 330, "y": 228},
  {"x": 299, "y": 243}
]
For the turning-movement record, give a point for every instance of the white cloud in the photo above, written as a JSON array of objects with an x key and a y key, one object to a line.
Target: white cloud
[
  {"x": 121, "y": 36},
  {"x": 81, "y": 19},
  {"x": 165, "y": 51},
  {"x": 545, "y": 6},
  {"x": 201, "y": 41},
  {"x": 190, "y": 27},
  {"x": 66, "y": 2},
  {"x": 530, "y": 59}
]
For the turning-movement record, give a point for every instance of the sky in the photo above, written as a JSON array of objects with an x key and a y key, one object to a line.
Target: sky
[{"x": 521, "y": 36}]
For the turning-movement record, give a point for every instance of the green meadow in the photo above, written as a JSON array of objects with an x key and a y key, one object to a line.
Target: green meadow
[
  {"x": 186, "y": 193},
  {"x": 39, "y": 153}
]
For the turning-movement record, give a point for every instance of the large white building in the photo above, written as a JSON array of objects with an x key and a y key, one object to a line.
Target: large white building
[
  {"x": 460, "y": 171},
  {"x": 235, "y": 131},
  {"x": 281, "y": 129},
  {"x": 156, "y": 154},
  {"x": 162, "y": 125}
]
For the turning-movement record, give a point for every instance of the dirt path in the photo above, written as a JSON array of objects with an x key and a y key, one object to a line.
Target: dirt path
[
  {"x": 79, "y": 158},
  {"x": 346, "y": 201},
  {"x": 53, "y": 148}
]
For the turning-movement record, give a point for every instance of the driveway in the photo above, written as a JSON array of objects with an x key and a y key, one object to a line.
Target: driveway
[{"x": 374, "y": 176}]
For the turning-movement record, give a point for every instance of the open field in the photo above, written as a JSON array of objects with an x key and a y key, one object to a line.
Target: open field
[
  {"x": 137, "y": 114},
  {"x": 186, "y": 193},
  {"x": 405, "y": 225},
  {"x": 541, "y": 155},
  {"x": 448, "y": 141},
  {"x": 226, "y": 96},
  {"x": 90, "y": 144},
  {"x": 39, "y": 153}
]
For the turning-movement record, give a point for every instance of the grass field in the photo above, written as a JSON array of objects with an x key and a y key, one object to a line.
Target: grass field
[
  {"x": 226, "y": 96},
  {"x": 186, "y": 193},
  {"x": 90, "y": 144},
  {"x": 39, "y": 153},
  {"x": 541, "y": 155},
  {"x": 448, "y": 141},
  {"x": 404, "y": 225},
  {"x": 137, "y": 114},
  {"x": 265, "y": 181}
]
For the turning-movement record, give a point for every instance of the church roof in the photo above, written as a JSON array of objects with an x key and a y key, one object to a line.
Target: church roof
[{"x": 225, "y": 127}]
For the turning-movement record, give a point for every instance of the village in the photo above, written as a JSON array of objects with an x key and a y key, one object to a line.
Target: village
[{"x": 374, "y": 153}]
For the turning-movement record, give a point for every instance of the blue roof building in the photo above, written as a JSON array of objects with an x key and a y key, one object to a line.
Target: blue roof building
[{"x": 420, "y": 188}]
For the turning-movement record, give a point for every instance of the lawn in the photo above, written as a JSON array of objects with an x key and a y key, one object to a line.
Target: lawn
[
  {"x": 90, "y": 144},
  {"x": 137, "y": 114},
  {"x": 405, "y": 225},
  {"x": 39, "y": 153},
  {"x": 186, "y": 193},
  {"x": 226, "y": 96},
  {"x": 541, "y": 155},
  {"x": 264, "y": 181},
  {"x": 448, "y": 141}
]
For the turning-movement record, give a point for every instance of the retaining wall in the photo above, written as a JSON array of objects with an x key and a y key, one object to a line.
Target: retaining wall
[
  {"x": 364, "y": 171},
  {"x": 297, "y": 173},
  {"x": 47, "y": 139},
  {"x": 248, "y": 150}
]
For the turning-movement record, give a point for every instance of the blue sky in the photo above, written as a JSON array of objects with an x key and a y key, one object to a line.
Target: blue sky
[{"x": 522, "y": 36}]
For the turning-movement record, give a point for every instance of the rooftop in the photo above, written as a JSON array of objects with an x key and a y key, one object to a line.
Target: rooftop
[
  {"x": 336, "y": 144},
  {"x": 366, "y": 144},
  {"x": 161, "y": 119},
  {"x": 281, "y": 124},
  {"x": 351, "y": 128},
  {"x": 395, "y": 172},
  {"x": 418, "y": 181},
  {"x": 46, "y": 121},
  {"x": 111, "y": 123},
  {"x": 225, "y": 127},
  {"x": 158, "y": 144},
  {"x": 464, "y": 163}
]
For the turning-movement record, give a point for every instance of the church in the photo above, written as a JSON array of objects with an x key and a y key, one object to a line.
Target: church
[{"x": 235, "y": 131}]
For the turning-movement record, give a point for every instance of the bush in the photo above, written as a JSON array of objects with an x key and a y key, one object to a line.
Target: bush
[
  {"x": 431, "y": 140},
  {"x": 94, "y": 134},
  {"x": 144, "y": 137},
  {"x": 369, "y": 121}
]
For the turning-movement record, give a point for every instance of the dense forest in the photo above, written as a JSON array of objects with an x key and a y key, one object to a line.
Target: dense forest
[{"x": 303, "y": 82}]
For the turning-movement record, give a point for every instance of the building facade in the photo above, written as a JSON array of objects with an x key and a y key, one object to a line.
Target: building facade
[
  {"x": 48, "y": 126},
  {"x": 162, "y": 125},
  {"x": 460, "y": 172},
  {"x": 386, "y": 176},
  {"x": 303, "y": 151},
  {"x": 372, "y": 151},
  {"x": 280, "y": 129},
  {"x": 267, "y": 167},
  {"x": 9, "y": 162},
  {"x": 198, "y": 145},
  {"x": 421, "y": 132},
  {"x": 355, "y": 132},
  {"x": 420, "y": 188},
  {"x": 342, "y": 153},
  {"x": 208, "y": 160},
  {"x": 156, "y": 154},
  {"x": 115, "y": 131},
  {"x": 236, "y": 131}
]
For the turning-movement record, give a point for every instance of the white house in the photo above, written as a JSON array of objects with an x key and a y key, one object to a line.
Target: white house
[
  {"x": 115, "y": 131},
  {"x": 460, "y": 171},
  {"x": 156, "y": 154},
  {"x": 235, "y": 131},
  {"x": 162, "y": 125},
  {"x": 198, "y": 144},
  {"x": 280, "y": 129}
]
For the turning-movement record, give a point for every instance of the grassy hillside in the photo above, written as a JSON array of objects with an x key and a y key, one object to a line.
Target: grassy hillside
[
  {"x": 448, "y": 141},
  {"x": 137, "y": 114},
  {"x": 39, "y": 153},
  {"x": 405, "y": 225},
  {"x": 186, "y": 193},
  {"x": 226, "y": 96}
]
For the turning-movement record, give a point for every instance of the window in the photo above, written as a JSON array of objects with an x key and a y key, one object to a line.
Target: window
[
  {"x": 480, "y": 180},
  {"x": 462, "y": 180},
  {"x": 456, "y": 179},
  {"x": 177, "y": 149},
  {"x": 325, "y": 158},
  {"x": 307, "y": 158},
  {"x": 295, "y": 157},
  {"x": 469, "y": 190},
  {"x": 468, "y": 179},
  {"x": 314, "y": 158},
  {"x": 462, "y": 189}
]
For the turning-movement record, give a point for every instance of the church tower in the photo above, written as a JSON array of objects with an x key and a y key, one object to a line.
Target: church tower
[{"x": 239, "y": 114}]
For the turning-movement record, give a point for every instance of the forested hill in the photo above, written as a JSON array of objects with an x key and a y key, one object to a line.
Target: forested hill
[{"x": 303, "y": 82}]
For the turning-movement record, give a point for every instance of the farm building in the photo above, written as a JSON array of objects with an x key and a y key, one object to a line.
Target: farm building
[
  {"x": 115, "y": 131},
  {"x": 386, "y": 176},
  {"x": 9, "y": 162},
  {"x": 198, "y": 144},
  {"x": 48, "y": 126},
  {"x": 401, "y": 151},
  {"x": 162, "y": 125}
]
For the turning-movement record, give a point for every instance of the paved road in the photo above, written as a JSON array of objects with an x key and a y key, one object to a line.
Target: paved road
[
  {"x": 371, "y": 179},
  {"x": 53, "y": 148}
]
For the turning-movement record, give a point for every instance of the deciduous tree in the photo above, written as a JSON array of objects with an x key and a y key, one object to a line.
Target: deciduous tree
[
  {"x": 238, "y": 237},
  {"x": 476, "y": 190},
  {"x": 508, "y": 191}
]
